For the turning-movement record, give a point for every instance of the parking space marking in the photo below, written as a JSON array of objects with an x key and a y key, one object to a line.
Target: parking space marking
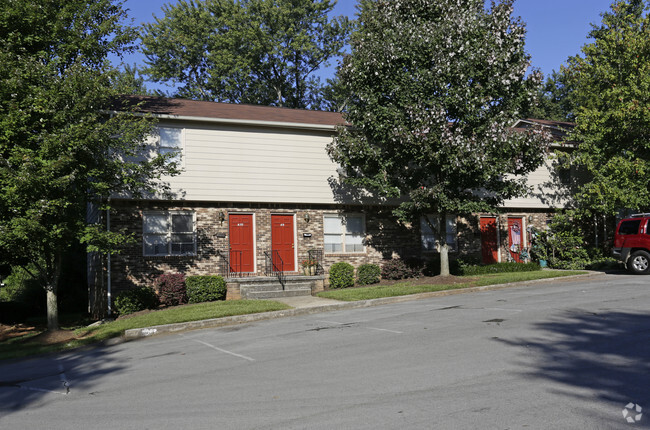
[
  {"x": 225, "y": 351},
  {"x": 369, "y": 328}
]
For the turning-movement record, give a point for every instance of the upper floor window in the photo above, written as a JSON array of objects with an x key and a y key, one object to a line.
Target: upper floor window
[
  {"x": 169, "y": 233},
  {"x": 171, "y": 142},
  {"x": 344, "y": 233},
  {"x": 429, "y": 240}
]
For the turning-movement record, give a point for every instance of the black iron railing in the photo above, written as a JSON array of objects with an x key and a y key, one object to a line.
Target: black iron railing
[
  {"x": 230, "y": 264},
  {"x": 274, "y": 266},
  {"x": 316, "y": 255}
]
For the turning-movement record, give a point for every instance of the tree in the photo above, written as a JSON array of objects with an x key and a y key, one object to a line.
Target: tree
[
  {"x": 59, "y": 148},
  {"x": 434, "y": 87},
  {"x": 553, "y": 101},
  {"x": 245, "y": 51},
  {"x": 129, "y": 81},
  {"x": 611, "y": 87}
]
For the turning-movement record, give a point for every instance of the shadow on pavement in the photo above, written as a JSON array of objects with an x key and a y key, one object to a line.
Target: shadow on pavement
[
  {"x": 606, "y": 353},
  {"x": 27, "y": 382}
]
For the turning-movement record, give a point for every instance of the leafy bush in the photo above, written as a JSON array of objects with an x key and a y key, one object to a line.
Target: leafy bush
[
  {"x": 137, "y": 299},
  {"x": 22, "y": 288},
  {"x": 399, "y": 269},
  {"x": 205, "y": 288},
  {"x": 171, "y": 289},
  {"x": 368, "y": 274},
  {"x": 341, "y": 275},
  {"x": 499, "y": 268}
]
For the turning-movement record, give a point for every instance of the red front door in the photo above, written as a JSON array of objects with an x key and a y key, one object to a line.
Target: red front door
[
  {"x": 242, "y": 250},
  {"x": 489, "y": 244},
  {"x": 515, "y": 237},
  {"x": 282, "y": 242}
]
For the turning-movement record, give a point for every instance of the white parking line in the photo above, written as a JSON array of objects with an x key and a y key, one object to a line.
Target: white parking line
[
  {"x": 369, "y": 328},
  {"x": 219, "y": 349}
]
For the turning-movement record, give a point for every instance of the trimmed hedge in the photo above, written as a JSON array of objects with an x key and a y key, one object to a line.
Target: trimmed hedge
[
  {"x": 368, "y": 274},
  {"x": 135, "y": 300},
  {"x": 341, "y": 275},
  {"x": 499, "y": 268},
  {"x": 205, "y": 288},
  {"x": 171, "y": 289}
]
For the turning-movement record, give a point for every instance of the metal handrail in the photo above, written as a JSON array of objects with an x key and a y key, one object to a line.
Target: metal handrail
[
  {"x": 275, "y": 269},
  {"x": 226, "y": 268}
]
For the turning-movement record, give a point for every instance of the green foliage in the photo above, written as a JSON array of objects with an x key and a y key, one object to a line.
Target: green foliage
[
  {"x": 254, "y": 51},
  {"x": 368, "y": 274},
  {"x": 397, "y": 268},
  {"x": 171, "y": 289},
  {"x": 554, "y": 101},
  {"x": 341, "y": 275},
  {"x": 60, "y": 151},
  {"x": 434, "y": 88},
  {"x": 499, "y": 268},
  {"x": 135, "y": 300},
  {"x": 21, "y": 286},
  {"x": 611, "y": 82},
  {"x": 205, "y": 288},
  {"x": 563, "y": 245}
]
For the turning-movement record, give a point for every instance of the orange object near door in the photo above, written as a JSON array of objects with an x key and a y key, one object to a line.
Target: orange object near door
[
  {"x": 242, "y": 249},
  {"x": 489, "y": 243},
  {"x": 282, "y": 241}
]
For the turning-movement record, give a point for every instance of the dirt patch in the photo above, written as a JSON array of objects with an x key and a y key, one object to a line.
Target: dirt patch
[{"x": 43, "y": 337}]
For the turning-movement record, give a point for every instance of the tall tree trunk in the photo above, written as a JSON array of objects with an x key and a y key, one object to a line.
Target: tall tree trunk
[
  {"x": 52, "y": 309},
  {"x": 51, "y": 289},
  {"x": 444, "y": 248}
]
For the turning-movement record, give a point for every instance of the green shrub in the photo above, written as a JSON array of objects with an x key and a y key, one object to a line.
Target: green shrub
[
  {"x": 397, "y": 268},
  {"x": 137, "y": 299},
  {"x": 205, "y": 288},
  {"x": 499, "y": 268},
  {"x": 171, "y": 289},
  {"x": 368, "y": 274},
  {"x": 341, "y": 275},
  {"x": 22, "y": 288}
]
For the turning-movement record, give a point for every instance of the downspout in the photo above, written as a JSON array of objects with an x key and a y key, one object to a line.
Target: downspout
[{"x": 108, "y": 257}]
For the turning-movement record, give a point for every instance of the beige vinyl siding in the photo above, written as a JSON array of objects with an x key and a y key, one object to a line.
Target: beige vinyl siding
[
  {"x": 545, "y": 192},
  {"x": 255, "y": 164}
]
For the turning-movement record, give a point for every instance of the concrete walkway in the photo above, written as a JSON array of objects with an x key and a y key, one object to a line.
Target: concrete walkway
[
  {"x": 306, "y": 301},
  {"x": 305, "y": 305}
]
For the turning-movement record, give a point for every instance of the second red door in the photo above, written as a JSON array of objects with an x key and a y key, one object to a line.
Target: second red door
[{"x": 282, "y": 241}]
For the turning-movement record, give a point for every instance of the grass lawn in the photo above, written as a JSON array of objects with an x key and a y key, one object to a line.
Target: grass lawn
[
  {"x": 418, "y": 286},
  {"x": 33, "y": 342}
]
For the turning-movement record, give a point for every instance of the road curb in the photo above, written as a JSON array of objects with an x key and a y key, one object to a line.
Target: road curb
[{"x": 138, "y": 333}]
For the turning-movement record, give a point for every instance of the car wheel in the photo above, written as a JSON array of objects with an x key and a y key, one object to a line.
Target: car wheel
[{"x": 639, "y": 263}]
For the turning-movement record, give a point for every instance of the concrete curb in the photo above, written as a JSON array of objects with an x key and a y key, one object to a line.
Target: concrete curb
[{"x": 138, "y": 333}]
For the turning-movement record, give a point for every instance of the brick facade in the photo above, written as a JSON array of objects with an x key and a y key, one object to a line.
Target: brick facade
[{"x": 386, "y": 237}]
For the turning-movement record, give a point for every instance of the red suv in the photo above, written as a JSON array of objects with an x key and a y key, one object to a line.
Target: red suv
[{"x": 632, "y": 243}]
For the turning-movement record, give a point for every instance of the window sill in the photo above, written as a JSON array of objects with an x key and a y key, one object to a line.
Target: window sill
[
  {"x": 344, "y": 254},
  {"x": 169, "y": 257}
]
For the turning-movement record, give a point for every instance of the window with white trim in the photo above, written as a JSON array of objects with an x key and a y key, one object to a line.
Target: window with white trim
[
  {"x": 344, "y": 233},
  {"x": 169, "y": 233},
  {"x": 170, "y": 141},
  {"x": 429, "y": 240}
]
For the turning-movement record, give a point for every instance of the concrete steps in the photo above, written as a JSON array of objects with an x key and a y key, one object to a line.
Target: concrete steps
[{"x": 270, "y": 287}]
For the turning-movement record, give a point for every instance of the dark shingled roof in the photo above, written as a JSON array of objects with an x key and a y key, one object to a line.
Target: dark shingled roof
[{"x": 229, "y": 111}]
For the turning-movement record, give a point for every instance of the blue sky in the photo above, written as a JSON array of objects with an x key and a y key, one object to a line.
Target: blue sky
[{"x": 557, "y": 29}]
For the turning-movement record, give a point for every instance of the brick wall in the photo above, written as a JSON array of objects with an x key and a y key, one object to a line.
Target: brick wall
[{"x": 386, "y": 237}]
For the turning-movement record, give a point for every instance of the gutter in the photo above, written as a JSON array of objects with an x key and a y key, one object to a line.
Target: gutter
[{"x": 258, "y": 123}]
